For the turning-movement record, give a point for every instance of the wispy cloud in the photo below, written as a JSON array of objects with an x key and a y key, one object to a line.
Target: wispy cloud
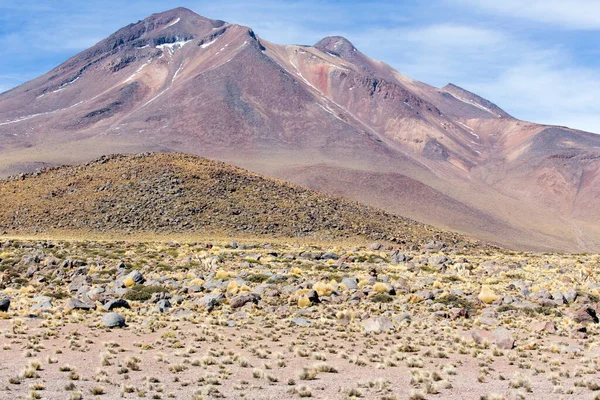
[{"x": 570, "y": 14}]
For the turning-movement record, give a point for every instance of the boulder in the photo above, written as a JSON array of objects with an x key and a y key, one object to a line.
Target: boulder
[
  {"x": 503, "y": 338},
  {"x": 116, "y": 303},
  {"x": 163, "y": 305},
  {"x": 242, "y": 299},
  {"x": 547, "y": 326},
  {"x": 350, "y": 283},
  {"x": 76, "y": 304},
  {"x": 113, "y": 320},
  {"x": 137, "y": 277},
  {"x": 585, "y": 315},
  {"x": 4, "y": 304}
]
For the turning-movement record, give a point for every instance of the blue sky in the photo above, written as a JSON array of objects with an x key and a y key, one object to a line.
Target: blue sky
[{"x": 537, "y": 59}]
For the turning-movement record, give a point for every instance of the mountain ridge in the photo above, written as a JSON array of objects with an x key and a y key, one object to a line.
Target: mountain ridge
[{"x": 179, "y": 82}]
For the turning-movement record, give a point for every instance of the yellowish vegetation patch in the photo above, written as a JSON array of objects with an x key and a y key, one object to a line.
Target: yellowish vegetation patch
[{"x": 487, "y": 295}]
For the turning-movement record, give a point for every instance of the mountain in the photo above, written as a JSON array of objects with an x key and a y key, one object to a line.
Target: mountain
[
  {"x": 325, "y": 116},
  {"x": 178, "y": 193}
]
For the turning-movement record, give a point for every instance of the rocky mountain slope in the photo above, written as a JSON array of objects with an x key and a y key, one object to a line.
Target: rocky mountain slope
[
  {"x": 175, "y": 193},
  {"x": 324, "y": 116}
]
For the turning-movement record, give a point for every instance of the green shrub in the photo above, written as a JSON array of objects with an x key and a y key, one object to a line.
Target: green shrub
[
  {"x": 257, "y": 278},
  {"x": 143, "y": 293},
  {"x": 382, "y": 298}
]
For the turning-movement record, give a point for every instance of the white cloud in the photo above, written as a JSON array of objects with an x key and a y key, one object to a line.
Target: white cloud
[
  {"x": 548, "y": 93},
  {"x": 570, "y": 14}
]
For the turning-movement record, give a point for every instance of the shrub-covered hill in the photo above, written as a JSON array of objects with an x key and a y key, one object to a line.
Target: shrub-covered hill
[{"x": 179, "y": 193}]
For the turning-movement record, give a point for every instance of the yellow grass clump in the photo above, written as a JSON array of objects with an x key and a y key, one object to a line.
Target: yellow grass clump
[
  {"x": 245, "y": 288},
  {"x": 304, "y": 301},
  {"x": 222, "y": 274},
  {"x": 487, "y": 295},
  {"x": 380, "y": 287},
  {"x": 197, "y": 281},
  {"x": 323, "y": 288},
  {"x": 233, "y": 287},
  {"x": 128, "y": 282},
  {"x": 296, "y": 271}
]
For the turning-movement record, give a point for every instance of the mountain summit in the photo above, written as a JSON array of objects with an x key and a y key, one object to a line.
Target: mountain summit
[{"x": 325, "y": 116}]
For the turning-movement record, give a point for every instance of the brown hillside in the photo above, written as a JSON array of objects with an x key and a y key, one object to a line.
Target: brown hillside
[{"x": 174, "y": 193}]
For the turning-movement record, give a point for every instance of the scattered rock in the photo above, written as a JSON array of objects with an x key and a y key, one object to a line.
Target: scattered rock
[
  {"x": 163, "y": 305},
  {"x": 242, "y": 299},
  {"x": 137, "y": 277},
  {"x": 503, "y": 338},
  {"x": 113, "y": 320},
  {"x": 300, "y": 321},
  {"x": 116, "y": 303},
  {"x": 4, "y": 304},
  {"x": 76, "y": 304},
  {"x": 547, "y": 326},
  {"x": 585, "y": 315}
]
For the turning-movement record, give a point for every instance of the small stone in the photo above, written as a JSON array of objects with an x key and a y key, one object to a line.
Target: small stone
[
  {"x": 113, "y": 320},
  {"x": 299, "y": 321}
]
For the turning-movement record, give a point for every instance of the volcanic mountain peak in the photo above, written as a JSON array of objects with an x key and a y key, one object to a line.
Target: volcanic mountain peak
[
  {"x": 336, "y": 45},
  {"x": 177, "y": 81}
]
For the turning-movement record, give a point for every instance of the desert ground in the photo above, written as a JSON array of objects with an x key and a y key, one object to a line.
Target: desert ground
[{"x": 290, "y": 319}]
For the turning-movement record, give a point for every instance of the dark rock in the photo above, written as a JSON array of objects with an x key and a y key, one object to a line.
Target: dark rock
[
  {"x": 242, "y": 299},
  {"x": 116, "y": 303},
  {"x": 585, "y": 315},
  {"x": 4, "y": 304}
]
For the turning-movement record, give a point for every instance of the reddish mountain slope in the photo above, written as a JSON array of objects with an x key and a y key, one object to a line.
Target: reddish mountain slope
[{"x": 325, "y": 116}]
